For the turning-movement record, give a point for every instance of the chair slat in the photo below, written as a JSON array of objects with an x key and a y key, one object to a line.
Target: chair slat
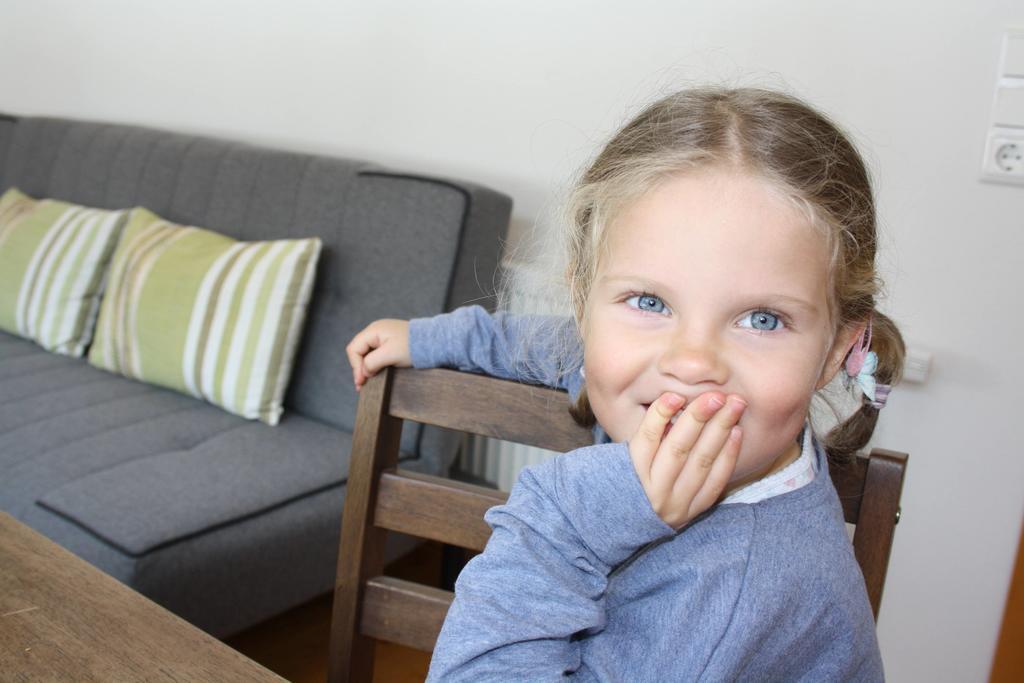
[
  {"x": 487, "y": 406},
  {"x": 403, "y": 612},
  {"x": 435, "y": 508}
]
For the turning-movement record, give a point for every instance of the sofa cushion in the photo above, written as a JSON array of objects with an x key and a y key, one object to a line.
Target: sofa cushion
[
  {"x": 154, "y": 500},
  {"x": 195, "y": 311},
  {"x": 53, "y": 257},
  {"x": 63, "y": 419}
]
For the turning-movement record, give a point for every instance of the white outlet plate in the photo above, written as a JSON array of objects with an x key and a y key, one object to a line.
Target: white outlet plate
[{"x": 1004, "y": 156}]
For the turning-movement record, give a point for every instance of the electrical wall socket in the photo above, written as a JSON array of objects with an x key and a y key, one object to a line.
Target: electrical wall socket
[
  {"x": 1009, "y": 157},
  {"x": 1004, "y": 156}
]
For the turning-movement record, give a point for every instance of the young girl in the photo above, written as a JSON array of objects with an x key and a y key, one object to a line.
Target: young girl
[{"x": 721, "y": 271}]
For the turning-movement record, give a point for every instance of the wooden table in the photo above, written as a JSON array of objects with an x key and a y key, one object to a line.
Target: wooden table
[{"x": 62, "y": 619}]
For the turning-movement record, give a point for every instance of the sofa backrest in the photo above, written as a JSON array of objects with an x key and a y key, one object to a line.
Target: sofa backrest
[{"x": 395, "y": 244}]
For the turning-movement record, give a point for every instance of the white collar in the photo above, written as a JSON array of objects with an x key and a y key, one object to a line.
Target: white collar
[{"x": 798, "y": 473}]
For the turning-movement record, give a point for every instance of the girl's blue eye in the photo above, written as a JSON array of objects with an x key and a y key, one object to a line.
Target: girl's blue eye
[
  {"x": 647, "y": 302},
  {"x": 764, "y": 321}
]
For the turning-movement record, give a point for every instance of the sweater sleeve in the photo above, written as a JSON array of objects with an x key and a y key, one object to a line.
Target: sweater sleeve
[
  {"x": 533, "y": 349},
  {"x": 542, "y": 578}
]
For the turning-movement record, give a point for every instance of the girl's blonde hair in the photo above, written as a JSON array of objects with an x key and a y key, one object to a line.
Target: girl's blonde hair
[{"x": 779, "y": 138}]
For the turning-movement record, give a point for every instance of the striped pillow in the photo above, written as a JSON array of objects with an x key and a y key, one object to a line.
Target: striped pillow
[
  {"x": 53, "y": 256},
  {"x": 201, "y": 313}
]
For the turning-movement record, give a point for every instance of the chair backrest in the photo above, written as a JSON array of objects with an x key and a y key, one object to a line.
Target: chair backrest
[{"x": 381, "y": 498}]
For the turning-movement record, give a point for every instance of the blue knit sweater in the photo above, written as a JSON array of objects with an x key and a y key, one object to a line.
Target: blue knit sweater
[{"x": 582, "y": 579}]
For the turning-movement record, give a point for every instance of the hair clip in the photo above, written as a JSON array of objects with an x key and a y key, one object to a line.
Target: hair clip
[{"x": 861, "y": 364}]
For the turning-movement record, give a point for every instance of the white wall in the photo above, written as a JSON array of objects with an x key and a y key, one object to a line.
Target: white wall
[{"x": 517, "y": 95}]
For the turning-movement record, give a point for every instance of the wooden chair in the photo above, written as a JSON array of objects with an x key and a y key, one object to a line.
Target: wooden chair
[{"x": 381, "y": 498}]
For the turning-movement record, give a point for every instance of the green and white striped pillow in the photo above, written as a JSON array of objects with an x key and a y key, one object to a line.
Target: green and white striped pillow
[
  {"x": 201, "y": 313},
  {"x": 53, "y": 256}
]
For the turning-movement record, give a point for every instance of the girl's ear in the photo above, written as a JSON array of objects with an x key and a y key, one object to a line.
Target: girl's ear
[{"x": 840, "y": 350}]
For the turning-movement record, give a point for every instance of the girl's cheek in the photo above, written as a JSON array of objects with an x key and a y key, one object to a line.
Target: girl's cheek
[{"x": 776, "y": 410}]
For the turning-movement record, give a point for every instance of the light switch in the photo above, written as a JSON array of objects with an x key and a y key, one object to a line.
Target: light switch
[
  {"x": 1009, "y": 109},
  {"x": 1013, "y": 59}
]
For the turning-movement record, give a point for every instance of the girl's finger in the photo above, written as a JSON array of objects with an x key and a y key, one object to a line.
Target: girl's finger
[
  {"x": 647, "y": 440},
  {"x": 675, "y": 448},
  {"x": 356, "y": 349},
  {"x": 710, "y": 445},
  {"x": 719, "y": 476},
  {"x": 360, "y": 375}
]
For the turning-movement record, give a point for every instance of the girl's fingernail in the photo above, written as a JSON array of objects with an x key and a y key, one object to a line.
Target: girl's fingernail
[
  {"x": 735, "y": 433},
  {"x": 673, "y": 401},
  {"x": 716, "y": 402}
]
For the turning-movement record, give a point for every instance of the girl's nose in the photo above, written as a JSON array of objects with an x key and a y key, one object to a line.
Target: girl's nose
[{"x": 693, "y": 360}]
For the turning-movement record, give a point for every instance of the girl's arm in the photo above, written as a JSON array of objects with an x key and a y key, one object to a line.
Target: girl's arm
[
  {"x": 524, "y": 348},
  {"x": 542, "y": 578}
]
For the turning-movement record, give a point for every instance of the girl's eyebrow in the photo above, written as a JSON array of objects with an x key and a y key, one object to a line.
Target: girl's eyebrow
[
  {"x": 786, "y": 300},
  {"x": 636, "y": 281}
]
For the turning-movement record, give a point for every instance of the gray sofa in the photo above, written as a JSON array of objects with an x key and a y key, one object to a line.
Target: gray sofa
[{"x": 222, "y": 520}]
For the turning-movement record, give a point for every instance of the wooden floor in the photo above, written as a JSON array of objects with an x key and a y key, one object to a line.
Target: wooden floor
[{"x": 294, "y": 644}]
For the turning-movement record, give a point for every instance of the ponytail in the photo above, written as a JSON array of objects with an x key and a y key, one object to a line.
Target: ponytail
[{"x": 850, "y": 436}]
